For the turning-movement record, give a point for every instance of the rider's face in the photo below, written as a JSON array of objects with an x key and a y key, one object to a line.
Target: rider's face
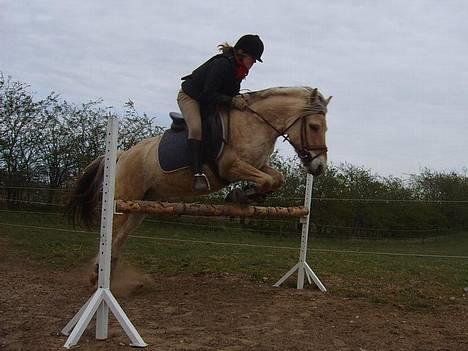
[{"x": 248, "y": 61}]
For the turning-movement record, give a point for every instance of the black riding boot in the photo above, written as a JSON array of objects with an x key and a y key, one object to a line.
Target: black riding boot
[{"x": 200, "y": 180}]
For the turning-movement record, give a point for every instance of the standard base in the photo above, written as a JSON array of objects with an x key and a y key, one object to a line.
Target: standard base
[
  {"x": 302, "y": 269},
  {"x": 103, "y": 300}
]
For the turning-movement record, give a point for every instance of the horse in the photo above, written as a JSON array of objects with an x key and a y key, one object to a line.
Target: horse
[{"x": 298, "y": 114}]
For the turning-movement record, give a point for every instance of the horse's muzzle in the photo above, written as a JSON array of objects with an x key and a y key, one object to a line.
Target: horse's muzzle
[
  {"x": 314, "y": 164},
  {"x": 317, "y": 170}
]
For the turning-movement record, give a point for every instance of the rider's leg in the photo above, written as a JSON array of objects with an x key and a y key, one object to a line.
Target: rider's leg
[
  {"x": 200, "y": 180},
  {"x": 191, "y": 111}
]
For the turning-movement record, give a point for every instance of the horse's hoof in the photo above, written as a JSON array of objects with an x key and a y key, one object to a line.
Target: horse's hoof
[
  {"x": 93, "y": 280},
  {"x": 94, "y": 276},
  {"x": 237, "y": 196},
  {"x": 256, "y": 198},
  {"x": 253, "y": 194}
]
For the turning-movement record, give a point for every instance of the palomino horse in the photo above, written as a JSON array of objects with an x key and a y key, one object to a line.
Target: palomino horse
[{"x": 298, "y": 114}]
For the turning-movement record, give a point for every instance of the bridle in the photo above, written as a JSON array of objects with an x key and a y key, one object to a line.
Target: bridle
[{"x": 303, "y": 149}]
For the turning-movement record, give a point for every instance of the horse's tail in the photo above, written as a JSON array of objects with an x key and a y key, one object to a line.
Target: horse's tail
[{"x": 84, "y": 199}]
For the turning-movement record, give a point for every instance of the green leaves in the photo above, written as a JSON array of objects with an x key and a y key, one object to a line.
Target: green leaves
[{"x": 49, "y": 141}]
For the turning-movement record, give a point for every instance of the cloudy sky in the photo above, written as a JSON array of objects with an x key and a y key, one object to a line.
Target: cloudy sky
[{"x": 398, "y": 70}]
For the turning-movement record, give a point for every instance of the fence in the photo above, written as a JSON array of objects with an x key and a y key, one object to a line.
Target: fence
[{"x": 372, "y": 219}]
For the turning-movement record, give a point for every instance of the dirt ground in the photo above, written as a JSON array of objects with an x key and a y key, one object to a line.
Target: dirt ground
[{"x": 216, "y": 312}]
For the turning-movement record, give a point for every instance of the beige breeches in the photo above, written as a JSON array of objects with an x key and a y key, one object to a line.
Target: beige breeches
[{"x": 190, "y": 109}]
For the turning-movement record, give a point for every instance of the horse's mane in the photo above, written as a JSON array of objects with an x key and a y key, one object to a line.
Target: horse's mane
[{"x": 314, "y": 102}]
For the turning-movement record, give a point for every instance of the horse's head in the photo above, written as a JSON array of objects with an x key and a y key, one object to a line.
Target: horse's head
[
  {"x": 306, "y": 130},
  {"x": 299, "y": 116}
]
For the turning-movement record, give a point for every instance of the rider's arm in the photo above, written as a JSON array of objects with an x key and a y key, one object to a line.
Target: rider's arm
[{"x": 218, "y": 72}]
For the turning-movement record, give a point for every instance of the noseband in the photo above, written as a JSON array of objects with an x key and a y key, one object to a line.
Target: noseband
[{"x": 302, "y": 150}]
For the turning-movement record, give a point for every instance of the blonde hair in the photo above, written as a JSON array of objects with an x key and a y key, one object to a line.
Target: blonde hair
[{"x": 227, "y": 48}]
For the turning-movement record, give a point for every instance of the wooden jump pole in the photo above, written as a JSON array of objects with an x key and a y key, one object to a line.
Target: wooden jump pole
[
  {"x": 103, "y": 300},
  {"x": 174, "y": 209}
]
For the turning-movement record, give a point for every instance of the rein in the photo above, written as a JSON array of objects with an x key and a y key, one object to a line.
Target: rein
[{"x": 303, "y": 150}]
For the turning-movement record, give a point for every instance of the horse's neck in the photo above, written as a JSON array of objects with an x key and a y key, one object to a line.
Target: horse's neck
[
  {"x": 254, "y": 135},
  {"x": 276, "y": 113},
  {"x": 249, "y": 132},
  {"x": 265, "y": 123}
]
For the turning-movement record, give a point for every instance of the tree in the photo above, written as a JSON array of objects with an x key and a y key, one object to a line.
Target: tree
[
  {"x": 136, "y": 127},
  {"x": 50, "y": 141},
  {"x": 20, "y": 126}
]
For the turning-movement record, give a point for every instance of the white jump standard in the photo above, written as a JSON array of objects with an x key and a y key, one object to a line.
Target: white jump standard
[
  {"x": 302, "y": 267},
  {"x": 103, "y": 300}
]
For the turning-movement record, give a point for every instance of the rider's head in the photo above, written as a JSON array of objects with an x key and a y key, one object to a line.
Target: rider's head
[{"x": 250, "y": 49}]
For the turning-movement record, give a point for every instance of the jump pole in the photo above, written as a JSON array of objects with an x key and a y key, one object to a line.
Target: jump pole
[
  {"x": 302, "y": 268},
  {"x": 103, "y": 300}
]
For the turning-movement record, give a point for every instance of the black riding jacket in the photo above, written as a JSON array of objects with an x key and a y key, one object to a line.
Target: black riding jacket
[{"x": 214, "y": 83}]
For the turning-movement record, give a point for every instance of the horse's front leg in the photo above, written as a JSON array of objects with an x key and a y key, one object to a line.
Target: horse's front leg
[
  {"x": 241, "y": 170},
  {"x": 257, "y": 195},
  {"x": 278, "y": 178}
]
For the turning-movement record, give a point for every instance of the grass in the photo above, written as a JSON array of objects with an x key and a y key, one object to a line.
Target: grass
[{"x": 416, "y": 282}]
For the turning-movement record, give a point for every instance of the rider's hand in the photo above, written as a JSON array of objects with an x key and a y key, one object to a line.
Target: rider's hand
[{"x": 239, "y": 102}]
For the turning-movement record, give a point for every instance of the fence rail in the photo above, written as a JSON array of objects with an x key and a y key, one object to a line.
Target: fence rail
[{"x": 331, "y": 218}]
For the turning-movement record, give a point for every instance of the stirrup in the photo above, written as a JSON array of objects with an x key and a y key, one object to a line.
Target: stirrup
[{"x": 200, "y": 183}]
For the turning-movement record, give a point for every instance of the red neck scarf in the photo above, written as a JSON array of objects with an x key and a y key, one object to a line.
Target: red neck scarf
[{"x": 241, "y": 70}]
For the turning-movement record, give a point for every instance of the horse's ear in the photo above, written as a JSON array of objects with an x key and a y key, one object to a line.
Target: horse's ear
[
  {"x": 328, "y": 100},
  {"x": 314, "y": 94}
]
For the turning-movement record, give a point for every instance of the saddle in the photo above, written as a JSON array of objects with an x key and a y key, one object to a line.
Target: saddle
[
  {"x": 173, "y": 153},
  {"x": 173, "y": 150}
]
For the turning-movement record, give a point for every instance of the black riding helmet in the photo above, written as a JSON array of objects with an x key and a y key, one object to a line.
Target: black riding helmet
[{"x": 251, "y": 44}]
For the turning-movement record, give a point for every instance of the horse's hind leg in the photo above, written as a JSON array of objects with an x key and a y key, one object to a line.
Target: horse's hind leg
[
  {"x": 123, "y": 225},
  {"x": 121, "y": 233}
]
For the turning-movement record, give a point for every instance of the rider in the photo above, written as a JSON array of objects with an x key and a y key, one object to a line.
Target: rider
[{"x": 213, "y": 85}]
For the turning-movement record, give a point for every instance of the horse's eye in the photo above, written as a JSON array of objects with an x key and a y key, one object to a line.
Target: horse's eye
[{"x": 315, "y": 127}]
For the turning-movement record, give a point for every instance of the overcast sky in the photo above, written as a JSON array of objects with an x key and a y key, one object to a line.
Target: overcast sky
[{"x": 398, "y": 70}]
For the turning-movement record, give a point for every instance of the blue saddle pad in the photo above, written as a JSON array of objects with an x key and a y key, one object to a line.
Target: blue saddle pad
[{"x": 173, "y": 153}]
